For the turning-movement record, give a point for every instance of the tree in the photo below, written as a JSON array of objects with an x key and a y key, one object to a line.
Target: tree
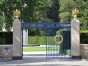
[
  {"x": 34, "y": 10},
  {"x": 53, "y": 11},
  {"x": 31, "y": 10},
  {"x": 8, "y": 6},
  {"x": 84, "y": 14},
  {"x": 1, "y": 15},
  {"x": 66, "y": 7}
]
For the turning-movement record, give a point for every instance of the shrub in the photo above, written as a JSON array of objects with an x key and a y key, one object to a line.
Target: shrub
[
  {"x": 33, "y": 40},
  {"x": 84, "y": 38},
  {"x": 42, "y": 40}
]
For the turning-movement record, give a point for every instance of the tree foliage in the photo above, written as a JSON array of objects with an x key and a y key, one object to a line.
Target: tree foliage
[
  {"x": 66, "y": 7},
  {"x": 53, "y": 11},
  {"x": 31, "y": 10},
  {"x": 84, "y": 15},
  {"x": 37, "y": 9},
  {"x": 8, "y": 6},
  {"x": 44, "y": 10},
  {"x": 65, "y": 10}
]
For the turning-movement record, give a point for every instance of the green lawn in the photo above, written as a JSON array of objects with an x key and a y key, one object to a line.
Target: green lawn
[
  {"x": 36, "y": 49},
  {"x": 33, "y": 49}
]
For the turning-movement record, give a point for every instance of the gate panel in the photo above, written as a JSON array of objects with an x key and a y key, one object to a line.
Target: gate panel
[
  {"x": 59, "y": 44},
  {"x": 58, "y": 38}
]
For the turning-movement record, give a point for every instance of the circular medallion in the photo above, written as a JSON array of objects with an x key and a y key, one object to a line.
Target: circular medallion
[{"x": 60, "y": 39}]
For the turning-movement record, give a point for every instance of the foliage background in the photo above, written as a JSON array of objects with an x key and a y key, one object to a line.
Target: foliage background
[{"x": 43, "y": 10}]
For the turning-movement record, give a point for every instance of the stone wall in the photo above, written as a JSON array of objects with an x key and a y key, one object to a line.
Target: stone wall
[{"x": 84, "y": 51}]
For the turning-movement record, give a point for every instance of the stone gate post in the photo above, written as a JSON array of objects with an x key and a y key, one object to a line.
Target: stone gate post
[
  {"x": 17, "y": 50},
  {"x": 75, "y": 38}
]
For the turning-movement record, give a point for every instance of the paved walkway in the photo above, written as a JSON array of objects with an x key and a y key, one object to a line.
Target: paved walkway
[{"x": 38, "y": 59}]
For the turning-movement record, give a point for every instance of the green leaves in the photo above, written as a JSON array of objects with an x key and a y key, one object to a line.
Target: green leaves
[
  {"x": 8, "y": 6},
  {"x": 44, "y": 10},
  {"x": 64, "y": 16},
  {"x": 65, "y": 10},
  {"x": 31, "y": 10},
  {"x": 66, "y": 7}
]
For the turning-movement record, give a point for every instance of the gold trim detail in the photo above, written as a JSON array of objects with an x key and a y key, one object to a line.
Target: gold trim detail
[
  {"x": 16, "y": 14},
  {"x": 59, "y": 36},
  {"x": 75, "y": 13}
]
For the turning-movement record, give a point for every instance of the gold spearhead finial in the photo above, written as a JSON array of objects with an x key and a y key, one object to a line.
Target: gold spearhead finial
[
  {"x": 75, "y": 13},
  {"x": 16, "y": 14}
]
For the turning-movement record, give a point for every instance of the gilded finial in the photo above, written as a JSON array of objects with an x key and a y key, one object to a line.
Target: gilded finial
[
  {"x": 16, "y": 14},
  {"x": 75, "y": 13}
]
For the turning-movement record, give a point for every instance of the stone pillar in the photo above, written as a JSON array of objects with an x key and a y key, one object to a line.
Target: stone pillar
[
  {"x": 17, "y": 51},
  {"x": 25, "y": 36},
  {"x": 75, "y": 38}
]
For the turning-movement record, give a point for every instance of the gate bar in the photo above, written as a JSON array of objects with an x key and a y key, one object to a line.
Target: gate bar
[{"x": 46, "y": 23}]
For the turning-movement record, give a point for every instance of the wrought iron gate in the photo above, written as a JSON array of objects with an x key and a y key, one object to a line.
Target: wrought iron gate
[{"x": 58, "y": 38}]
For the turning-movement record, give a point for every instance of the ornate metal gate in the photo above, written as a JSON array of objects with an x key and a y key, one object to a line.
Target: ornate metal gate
[{"x": 58, "y": 38}]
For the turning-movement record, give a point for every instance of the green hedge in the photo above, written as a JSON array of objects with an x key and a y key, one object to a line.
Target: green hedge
[
  {"x": 37, "y": 40},
  {"x": 50, "y": 40},
  {"x": 84, "y": 36},
  {"x": 83, "y": 31},
  {"x": 42, "y": 40},
  {"x": 33, "y": 40},
  {"x": 6, "y": 38},
  {"x": 2, "y": 41}
]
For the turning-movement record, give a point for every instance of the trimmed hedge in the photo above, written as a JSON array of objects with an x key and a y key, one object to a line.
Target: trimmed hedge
[
  {"x": 40, "y": 40},
  {"x": 2, "y": 41},
  {"x": 84, "y": 36},
  {"x": 6, "y": 38},
  {"x": 50, "y": 40},
  {"x": 33, "y": 40},
  {"x": 43, "y": 40},
  {"x": 37, "y": 40}
]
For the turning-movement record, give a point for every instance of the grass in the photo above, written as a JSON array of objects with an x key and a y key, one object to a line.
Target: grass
[
  {"x": 36, "y": 49},
  {"x": 33, "y": 49}
]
